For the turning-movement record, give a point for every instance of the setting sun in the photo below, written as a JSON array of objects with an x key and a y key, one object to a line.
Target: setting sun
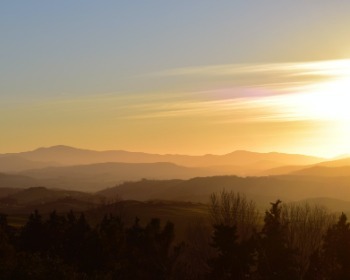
[{"x": 331, "y": 100}]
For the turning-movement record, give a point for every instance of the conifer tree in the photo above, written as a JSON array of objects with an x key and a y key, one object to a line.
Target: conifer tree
[{"x": 275, "y": 257}]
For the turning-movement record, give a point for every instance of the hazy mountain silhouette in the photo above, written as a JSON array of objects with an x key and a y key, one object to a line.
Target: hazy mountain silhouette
[
  {"x": 332, "y": 192},
  {"x": 15, "y": 163},
  {"x": 283, "y": 170},
  {"x": 17, "y": 181},
  {"x": 42, "y": 195},
  {"x": 263, "y": 189},
  {"x": 325, "y": 171},
  {"x": 338, "y": 167},
  {"x": 336, "y": 163},
  {"x": 44, "y": 199},
  {"x": 97, "y": 176},
  {"x": 65, "y": 155}
]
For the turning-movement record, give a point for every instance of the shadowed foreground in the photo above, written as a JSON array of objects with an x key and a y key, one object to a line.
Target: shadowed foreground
[{"x": 295, "y": 241}]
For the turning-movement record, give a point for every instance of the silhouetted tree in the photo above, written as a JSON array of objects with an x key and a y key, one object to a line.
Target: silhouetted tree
[
  {"x": 112, "y": 237},
  {"x": 193, "y": 255},
  {"x": 234, "y": 209},
  {"x": 333, "y": 262},
  {"x": 55, "y": 228},
  {"x": 305, "y": 226},
  {"x": 276, "y": 259},
  {"x": 68, "y": 247},
  {"x": 81, "y": 244},
  {"x": 33, "y": 236},
  {"x": 7, "y": 250},
  {"x": 235, "y": 259},
  {"x": 148, "y": 250}
]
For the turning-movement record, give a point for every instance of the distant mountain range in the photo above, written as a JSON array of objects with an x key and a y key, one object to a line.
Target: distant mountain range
[
  {"x": 169, "y": 186},
  {"x": 64, "y": 155},
  {"x": 17, "y": 181},
  {"x": 324, "y": 171},
  {"x": 93, "y": 177},
  {"x": 85, "y": 170},
  {"x": 16, "y": 163},
  {"x": 334, "y": 168}
]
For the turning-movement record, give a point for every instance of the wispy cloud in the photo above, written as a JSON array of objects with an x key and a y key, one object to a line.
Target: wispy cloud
[
  {"x": 275, "y": 78},
  {"x": 268, "y": 92},
  {"x": 237, "y": 110},
  {"x": 259, "y": 93},
  {"x": 317, "y": 68}
]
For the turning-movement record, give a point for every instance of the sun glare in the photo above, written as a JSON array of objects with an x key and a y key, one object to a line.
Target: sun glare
[{"x": 327, "y": 101}]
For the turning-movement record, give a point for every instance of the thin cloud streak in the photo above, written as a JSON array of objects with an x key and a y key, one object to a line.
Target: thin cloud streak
[
  {"x": 318, "y": 68},
  {"x": 273, "y": 79},
  {"x": 238, "y": 110},
  {"x": 274, "y": 100}
]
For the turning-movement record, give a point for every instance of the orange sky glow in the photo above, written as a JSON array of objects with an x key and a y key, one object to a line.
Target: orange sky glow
[
  {"x": 181, "y": 77},
  {"x": 298, "y": 108}
]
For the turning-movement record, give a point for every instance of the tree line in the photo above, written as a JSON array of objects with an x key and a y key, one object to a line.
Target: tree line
[{"x": 290, "y": 241}]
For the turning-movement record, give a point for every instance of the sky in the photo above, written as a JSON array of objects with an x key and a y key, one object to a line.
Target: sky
[{"x": 185, "y": 76}]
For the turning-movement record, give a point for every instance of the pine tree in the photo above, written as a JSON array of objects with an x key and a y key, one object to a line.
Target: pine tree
[
  {"x": 276, "y": 259},
  {"x": 336, "y": 253},
  {"x": 235, "y": 259}
]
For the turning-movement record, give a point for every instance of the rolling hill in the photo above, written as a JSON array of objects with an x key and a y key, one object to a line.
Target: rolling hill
[
  {"x": 64, "y": 155},
  {"x": 334, "y": 168},
  {"x": 261, "y": 189},
  {"x": 17, "y": 181},
  {"x": 324, "y": 171},
  {"x": 15, "y": 163},
  {"x": 47, "y": 200},
  {"x": 97, "y": 176},
  {"x": 336, "y": 163}
]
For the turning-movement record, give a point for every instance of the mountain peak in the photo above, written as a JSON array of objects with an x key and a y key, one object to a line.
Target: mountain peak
[{"x": 57, "y": 148}]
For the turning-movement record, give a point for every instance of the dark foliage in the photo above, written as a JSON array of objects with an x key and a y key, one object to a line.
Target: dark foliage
[
  {"x": 333, "y": 260},
  {"x": 235, "y": 259},
  {"x": 275, "y": 256},
  {"x": 68, "y": 247}
]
